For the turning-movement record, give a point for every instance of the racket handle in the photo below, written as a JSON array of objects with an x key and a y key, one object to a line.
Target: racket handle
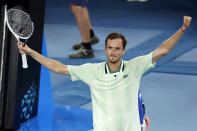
[{"x": 24, "y": 61}]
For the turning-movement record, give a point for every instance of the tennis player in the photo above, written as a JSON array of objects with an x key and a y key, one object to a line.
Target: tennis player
[{"x": 114, "y": 84}]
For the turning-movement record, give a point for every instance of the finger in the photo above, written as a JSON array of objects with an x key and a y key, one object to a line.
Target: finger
[
  {"x": 188, "y": 18},
  {"x": 21, "y": 51},
  {"x": 187, "y": 21},
  {"x": 21, "y": 44}
]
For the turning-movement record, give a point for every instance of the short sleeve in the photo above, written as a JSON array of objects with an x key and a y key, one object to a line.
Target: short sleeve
[
  {"x": 83, "y": 72},
  {"x": 142, "y": 63}
]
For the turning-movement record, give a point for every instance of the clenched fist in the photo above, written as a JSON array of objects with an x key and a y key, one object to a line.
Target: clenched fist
[
  {"x": 23, "y": 48},
  {"x": 186, "y": 22}
]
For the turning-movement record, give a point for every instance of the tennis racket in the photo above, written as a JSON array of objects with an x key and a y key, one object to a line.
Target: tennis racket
[{"x": 21, "y": 26}]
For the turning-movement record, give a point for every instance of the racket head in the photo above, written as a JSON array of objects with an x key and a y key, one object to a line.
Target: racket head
[{"x": 19, "y": 23}]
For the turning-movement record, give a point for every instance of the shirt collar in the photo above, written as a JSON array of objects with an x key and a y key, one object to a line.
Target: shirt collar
[{"x": 121, "y": 68}]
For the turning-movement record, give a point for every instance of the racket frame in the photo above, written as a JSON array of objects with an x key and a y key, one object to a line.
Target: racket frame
[
  {"x": 16, "y": 35},
  {"x": 24, "y": 58}
]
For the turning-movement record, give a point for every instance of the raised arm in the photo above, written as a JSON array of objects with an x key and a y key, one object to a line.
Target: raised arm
[
  {"x": 51, "y": 64},
  {"x": 167, "y": 45}
]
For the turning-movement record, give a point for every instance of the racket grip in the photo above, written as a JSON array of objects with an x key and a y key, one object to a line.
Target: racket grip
[{"x": 24, "y": 61}]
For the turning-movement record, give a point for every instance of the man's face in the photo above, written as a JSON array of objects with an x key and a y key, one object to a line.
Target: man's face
[{"x": 114, "y": 50}]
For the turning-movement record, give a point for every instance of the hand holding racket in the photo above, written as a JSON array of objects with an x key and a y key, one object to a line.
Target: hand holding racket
[
  {"x": 23, "y": 48},
  {"x": 21, "y": 26}
]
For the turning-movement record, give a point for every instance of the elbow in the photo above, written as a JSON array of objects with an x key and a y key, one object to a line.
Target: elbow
[
  {"x": 57, "y": 67},
  {"x": 53, "y": 67},
  {"x": 164, "y": 51},
  {"x": 159, "y": 53},
  {"x": 61, "y": 69},
  {"x": 57, "y": 70}
]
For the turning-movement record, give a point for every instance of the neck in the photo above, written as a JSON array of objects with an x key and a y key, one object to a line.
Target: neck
[{"x": 114, "y": 66}]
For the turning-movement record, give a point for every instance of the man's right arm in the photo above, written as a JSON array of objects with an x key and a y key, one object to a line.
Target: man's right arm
[{"x": 51, "y": 64}]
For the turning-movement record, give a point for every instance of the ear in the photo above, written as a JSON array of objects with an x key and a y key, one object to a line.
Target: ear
[{"x": 124, "y": 50}]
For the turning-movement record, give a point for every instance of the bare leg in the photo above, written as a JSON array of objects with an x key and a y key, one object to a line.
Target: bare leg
[
  {"x": 82, "y": 22},
  {"x": 86, "y": 17},
  {"x": 84, "y": 48}
]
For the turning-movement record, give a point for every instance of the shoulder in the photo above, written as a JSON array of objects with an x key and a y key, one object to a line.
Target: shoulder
[
  {"x": 87, "y": 66},
  {"x": 92, "y": 65},
  {"x": 141, "y": 58}
]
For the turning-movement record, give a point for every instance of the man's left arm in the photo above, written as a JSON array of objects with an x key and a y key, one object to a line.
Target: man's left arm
[{"x": 167, "y": 45}]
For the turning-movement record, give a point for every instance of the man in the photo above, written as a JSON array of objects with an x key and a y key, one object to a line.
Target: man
[
  {"x": 81, "y": 14},
  {"x": 113, "y": 84}
]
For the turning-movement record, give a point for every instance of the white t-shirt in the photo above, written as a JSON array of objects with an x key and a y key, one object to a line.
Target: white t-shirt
[{"x": 114, "y": 96}]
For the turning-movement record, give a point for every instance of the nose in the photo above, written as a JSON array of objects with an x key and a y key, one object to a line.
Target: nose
[{"x": 113, "y": 51}]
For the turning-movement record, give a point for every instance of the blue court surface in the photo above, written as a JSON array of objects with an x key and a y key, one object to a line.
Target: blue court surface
[{"x": 169, "y": 90}]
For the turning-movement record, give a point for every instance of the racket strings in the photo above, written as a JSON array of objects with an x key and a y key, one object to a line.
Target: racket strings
[{"x": 20, "y": 23}]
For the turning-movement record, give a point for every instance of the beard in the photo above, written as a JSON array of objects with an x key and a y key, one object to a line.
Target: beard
[{"x": 113, "y": 60}]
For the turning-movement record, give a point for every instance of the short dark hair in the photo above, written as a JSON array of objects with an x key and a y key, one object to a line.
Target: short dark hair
[{"x": 115, "y": 35}]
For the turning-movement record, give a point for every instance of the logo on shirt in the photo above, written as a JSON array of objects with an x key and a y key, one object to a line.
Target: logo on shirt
[{"x": 125, "y": 76}]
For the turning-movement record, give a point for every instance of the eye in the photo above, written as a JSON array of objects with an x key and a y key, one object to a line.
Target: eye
[
  {"x": 109, "y": 47},
  {"x": 117, "y": 48}
]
